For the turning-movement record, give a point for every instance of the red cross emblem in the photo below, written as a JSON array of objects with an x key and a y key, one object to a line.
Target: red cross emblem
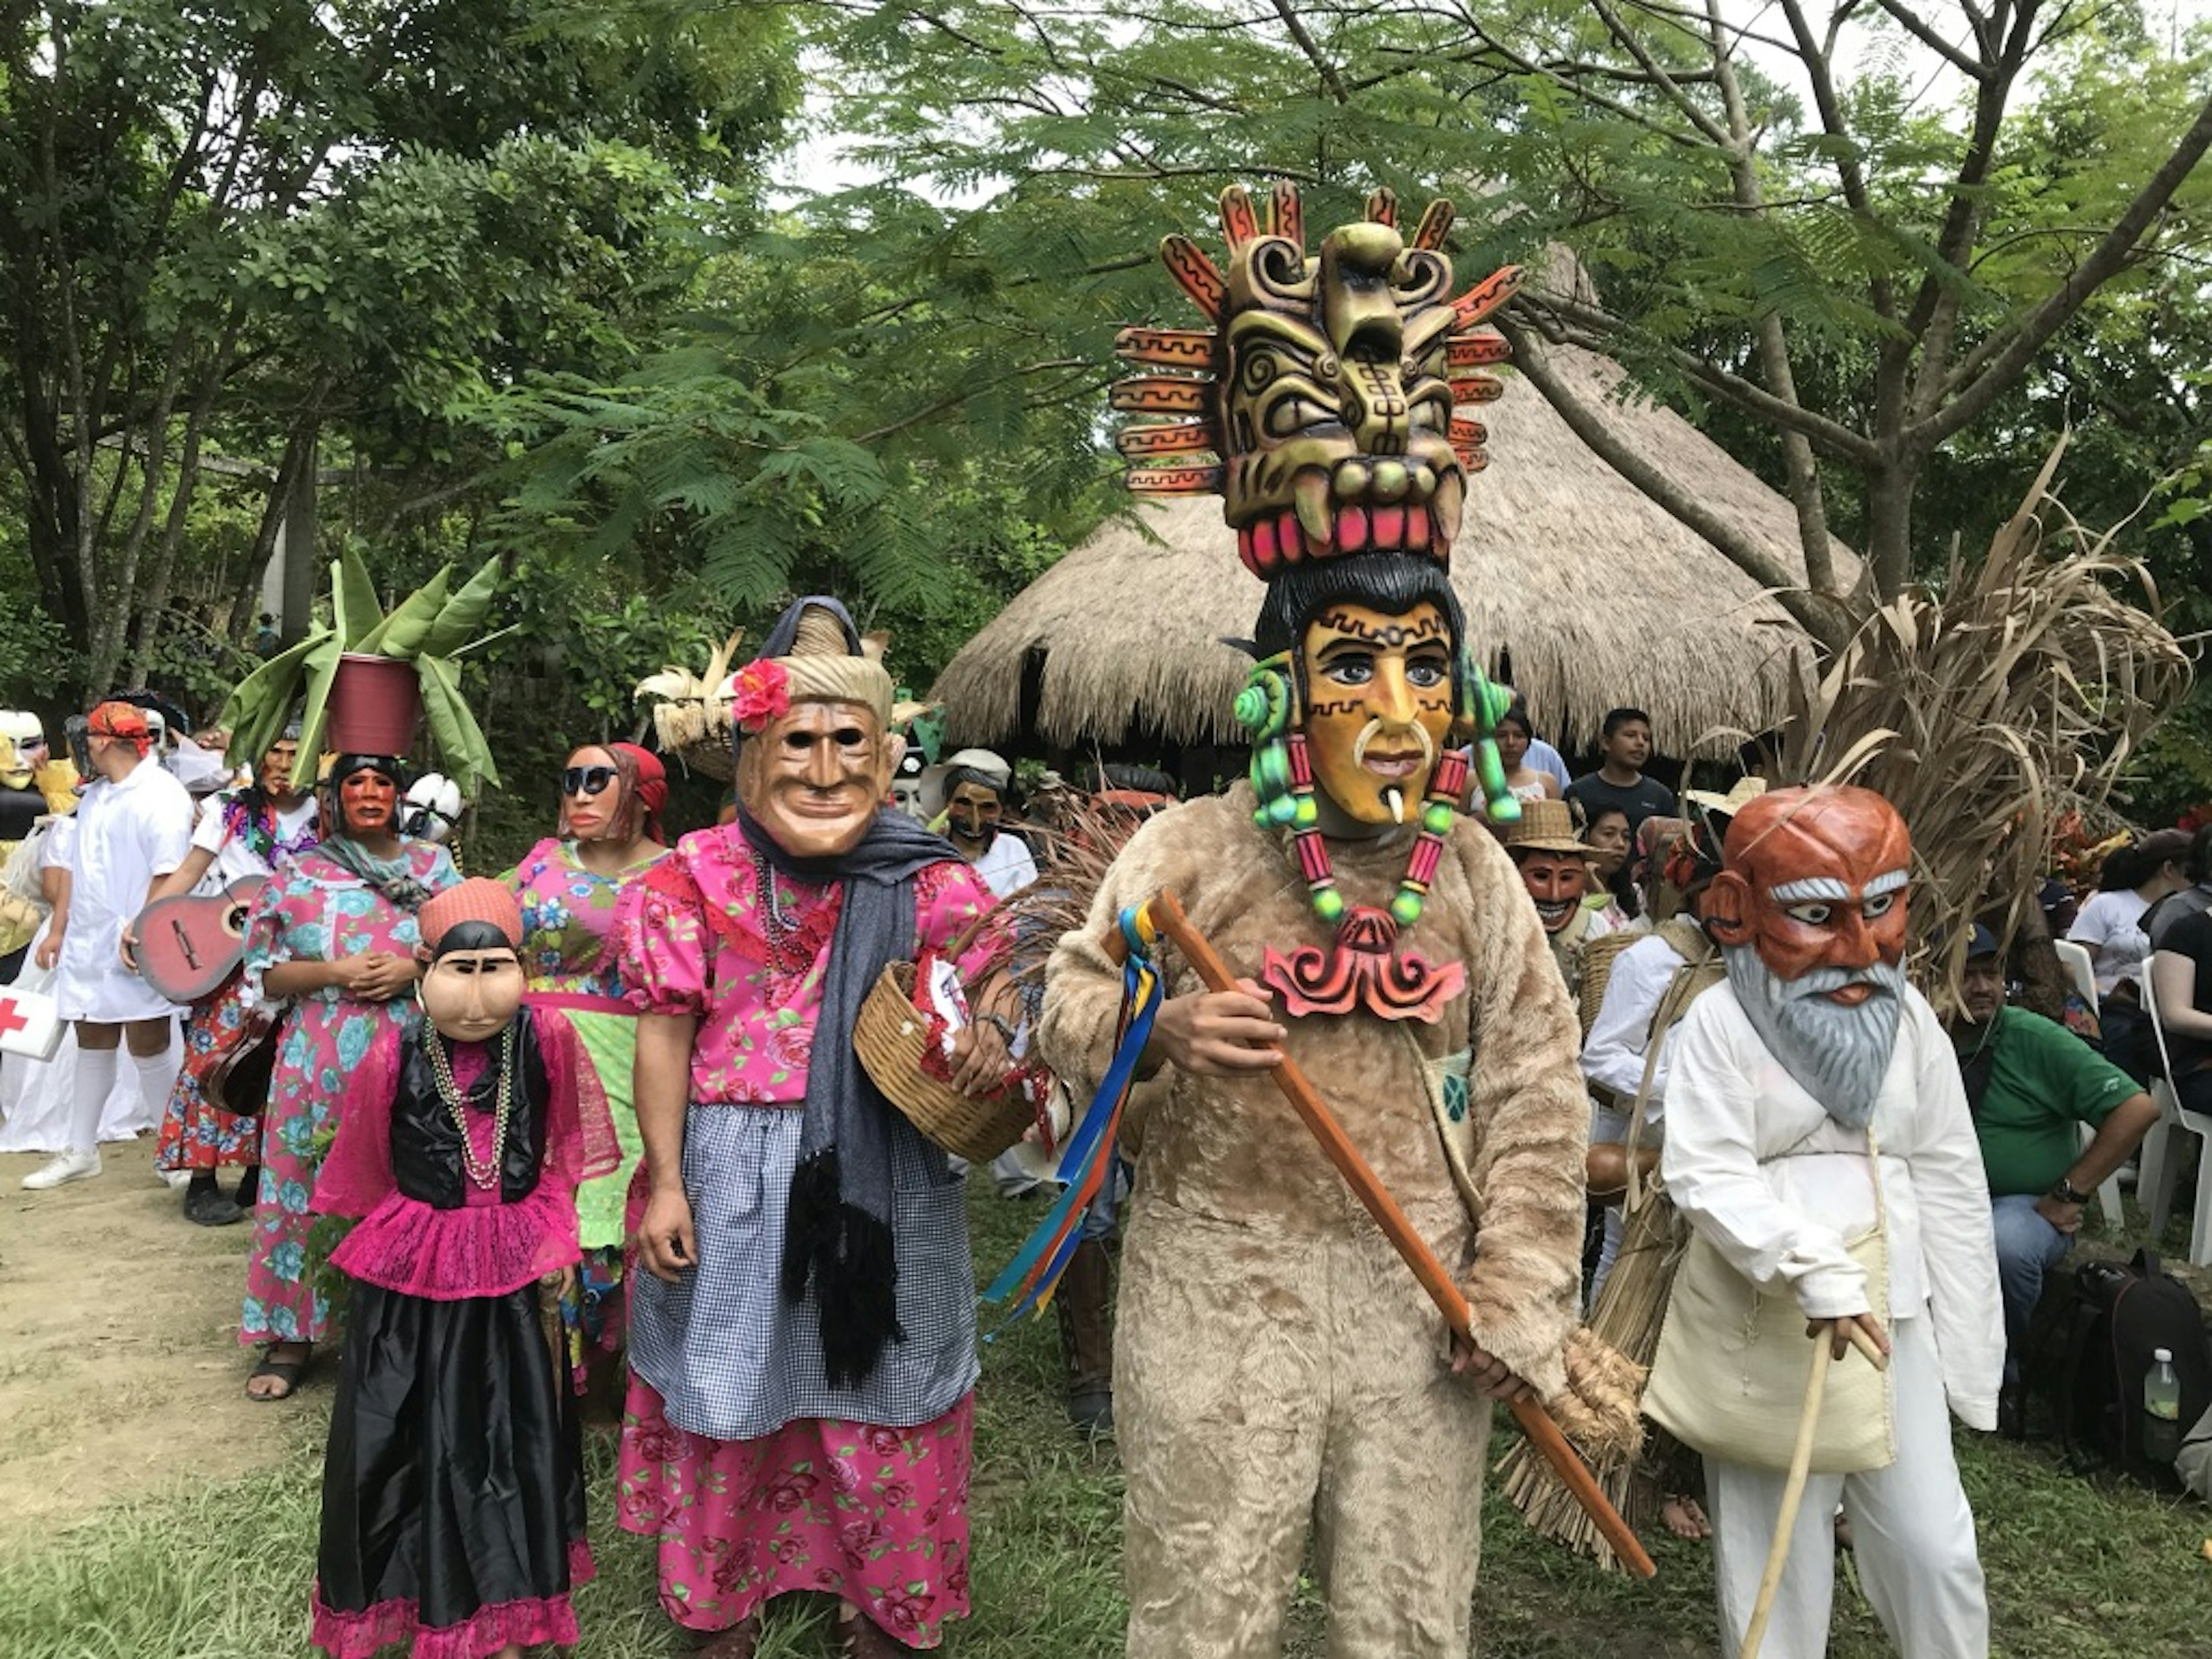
[{"x": 12, "y": 1018}]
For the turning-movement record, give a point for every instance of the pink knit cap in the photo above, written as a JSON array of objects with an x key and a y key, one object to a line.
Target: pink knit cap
[{"x": 476, "y": 899}]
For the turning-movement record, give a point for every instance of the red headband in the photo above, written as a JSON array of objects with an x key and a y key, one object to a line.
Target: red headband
[
  {"x": 124, "y": 722},
  {"x": 652, "y": 776}
]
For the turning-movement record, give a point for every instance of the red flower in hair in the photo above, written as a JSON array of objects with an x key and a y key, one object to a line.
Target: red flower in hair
[{"x": 760, "y": 693}]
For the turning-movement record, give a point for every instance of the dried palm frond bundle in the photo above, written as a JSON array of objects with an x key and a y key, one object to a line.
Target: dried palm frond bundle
[
  {"x": 691, "y": 718},
  {"x": 1987, "y": 713},
  {"x": 1071, "y": 858},
  {"x": 1629, "y": 1312}
]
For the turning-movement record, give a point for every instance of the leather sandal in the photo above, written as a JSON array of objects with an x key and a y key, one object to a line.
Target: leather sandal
[{"x": 286, "y": 1372}]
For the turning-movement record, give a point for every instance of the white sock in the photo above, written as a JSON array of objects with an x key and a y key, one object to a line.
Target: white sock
[
  {"x": 157, "y": 1075},
  {"x": 95, "y": 1081}
]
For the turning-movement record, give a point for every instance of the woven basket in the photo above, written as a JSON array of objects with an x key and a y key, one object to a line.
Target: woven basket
[{"x": 891, "y": 1036}]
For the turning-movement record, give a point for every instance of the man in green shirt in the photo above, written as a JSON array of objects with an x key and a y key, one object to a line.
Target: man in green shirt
[{"x": 2031, "y": 1083}]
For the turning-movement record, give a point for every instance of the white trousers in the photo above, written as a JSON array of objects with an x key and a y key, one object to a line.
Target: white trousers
[{"x": 1910, "y": 1528}]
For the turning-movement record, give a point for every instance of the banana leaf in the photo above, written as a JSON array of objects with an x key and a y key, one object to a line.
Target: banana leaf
[
  {"x": 463, "y": 614},
  {"x": 454, "y": 732},
  {"x": 354, "y": 608},
  {"x": 400, "y": 634},
  {"x": 256, "y": 709},
  {"x": 322, "y": 674}
]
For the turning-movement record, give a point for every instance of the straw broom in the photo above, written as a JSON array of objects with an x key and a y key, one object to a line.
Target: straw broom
[{"x": 1629, "y": 1313}]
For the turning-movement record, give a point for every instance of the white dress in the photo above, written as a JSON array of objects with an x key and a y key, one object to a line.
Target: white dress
[
  {"x": 129, "y": 835},
  {"x": 37, "y": 1097}
]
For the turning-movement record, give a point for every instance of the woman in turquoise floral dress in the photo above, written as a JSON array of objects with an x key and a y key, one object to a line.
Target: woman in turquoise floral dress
[
  {"x": 333, "y": 934},
  {"x": 570, "y": 886}
]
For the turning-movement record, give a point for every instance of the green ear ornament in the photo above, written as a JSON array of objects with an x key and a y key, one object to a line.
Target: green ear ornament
[
  {"x": 1267, "y": 709},
  {"x": 1483, "y": 703}
]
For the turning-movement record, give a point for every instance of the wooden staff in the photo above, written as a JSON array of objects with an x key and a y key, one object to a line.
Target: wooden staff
[
  {"x": 1167, "y": 914},
  {"x": 1793, "y": 1498}
]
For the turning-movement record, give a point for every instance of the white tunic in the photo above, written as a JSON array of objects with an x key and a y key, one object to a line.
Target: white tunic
[
  {"x": 233, "y": 860},
  {"x": 129, "y": 835},
  {"x": 1006, "y": 867},
  {"x": 1766, "y": 1175}
]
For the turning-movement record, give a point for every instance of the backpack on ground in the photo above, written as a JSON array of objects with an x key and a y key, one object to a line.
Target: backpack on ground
[{"x": 2121, "y": 1315}]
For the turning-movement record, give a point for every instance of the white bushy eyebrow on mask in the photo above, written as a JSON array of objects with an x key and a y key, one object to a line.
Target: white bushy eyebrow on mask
[{"x": 1827, "y": 889}]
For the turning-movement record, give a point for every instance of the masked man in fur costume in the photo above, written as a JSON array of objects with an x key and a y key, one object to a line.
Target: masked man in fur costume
[
  {"x": 1276, "y": 1365},
  {"x": 1813, "y": 1071}
]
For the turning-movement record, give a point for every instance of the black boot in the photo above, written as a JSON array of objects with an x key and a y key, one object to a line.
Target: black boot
[
  {"x": 1085, "y": 1302},
  {"x": 205, "y": 1205},
  {"x": 249, "y": 1187}
]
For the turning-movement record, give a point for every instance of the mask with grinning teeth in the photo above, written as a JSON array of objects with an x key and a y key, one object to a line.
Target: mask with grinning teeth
[{"x": 1326, "y": 389}]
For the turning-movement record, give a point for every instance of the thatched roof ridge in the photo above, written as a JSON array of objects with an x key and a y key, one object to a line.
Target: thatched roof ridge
[{"x": 1598, "y": 596}]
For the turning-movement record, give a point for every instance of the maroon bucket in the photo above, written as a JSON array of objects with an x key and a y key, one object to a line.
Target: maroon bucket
[{"x": 376, "y": 706}]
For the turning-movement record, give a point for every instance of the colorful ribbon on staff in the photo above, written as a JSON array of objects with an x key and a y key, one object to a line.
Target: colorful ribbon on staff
[{"x": 1087, "y": 1163}]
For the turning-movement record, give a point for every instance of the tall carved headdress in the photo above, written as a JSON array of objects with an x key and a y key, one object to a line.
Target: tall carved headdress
[{"x": 1320, "y": 405}]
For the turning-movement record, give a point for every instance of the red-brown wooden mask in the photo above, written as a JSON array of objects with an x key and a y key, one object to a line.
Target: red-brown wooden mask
[{"x": 1814, "y": 878}]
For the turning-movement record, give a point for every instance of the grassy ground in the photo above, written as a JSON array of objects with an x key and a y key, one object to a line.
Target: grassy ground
[{"x": 2078, "y": 1569}]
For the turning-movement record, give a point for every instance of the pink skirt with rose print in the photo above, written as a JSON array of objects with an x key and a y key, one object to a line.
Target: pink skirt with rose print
[{"x": 876, "y": 1516}]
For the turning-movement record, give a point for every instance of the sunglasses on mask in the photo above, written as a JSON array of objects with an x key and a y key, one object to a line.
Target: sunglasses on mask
[{"x": 587, "y": 780}]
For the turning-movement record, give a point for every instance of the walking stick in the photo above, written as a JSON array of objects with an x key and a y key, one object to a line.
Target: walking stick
[
  {"x": 1793, "y": 1498},
  {"x": 1167, "y": 914}
]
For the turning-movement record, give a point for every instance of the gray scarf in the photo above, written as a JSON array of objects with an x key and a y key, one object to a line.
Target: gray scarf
[{"x": 839, "y": 1233}]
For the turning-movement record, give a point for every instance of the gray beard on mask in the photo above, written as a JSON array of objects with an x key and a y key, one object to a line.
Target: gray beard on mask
[{"x": 1837, "y": 1054}]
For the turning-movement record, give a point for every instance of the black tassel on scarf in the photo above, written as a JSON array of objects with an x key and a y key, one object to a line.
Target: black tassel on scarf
[{"x": 853, "y": 1262}]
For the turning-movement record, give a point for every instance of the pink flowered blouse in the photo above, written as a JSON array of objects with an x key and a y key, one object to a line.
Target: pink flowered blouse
[{"x": 696, "y": 940}]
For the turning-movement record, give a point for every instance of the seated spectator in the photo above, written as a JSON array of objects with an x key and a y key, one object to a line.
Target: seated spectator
[
  {"x": 2193, "y": 900},
  {"x": 1620, "y": 781},
  {"x": 1607, "y": 834},
  {"x": 2111, "y": 924},
  {"x": 1514, "y": 736},
  {"x": 2030, "y": 1083},
  {"x": 2181, "y": 985}
]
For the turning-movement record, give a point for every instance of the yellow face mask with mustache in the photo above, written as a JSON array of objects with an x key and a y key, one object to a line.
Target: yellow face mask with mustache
[{"x": 1378, "y": 707}]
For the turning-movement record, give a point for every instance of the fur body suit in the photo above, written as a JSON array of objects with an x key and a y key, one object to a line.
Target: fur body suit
[{"x": 1276, "y": 1363}]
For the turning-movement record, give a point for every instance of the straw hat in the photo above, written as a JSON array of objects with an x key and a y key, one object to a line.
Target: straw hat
[
  {"x": 1745, "y": 791},
  {"x": 1544, "y": 826}
]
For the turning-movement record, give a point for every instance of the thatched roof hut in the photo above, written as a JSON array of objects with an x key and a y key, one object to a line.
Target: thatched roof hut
[{"x": 1578, "y": 589}]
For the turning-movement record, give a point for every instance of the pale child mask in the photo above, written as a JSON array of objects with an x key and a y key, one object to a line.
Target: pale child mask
[
  {"x": 473, "y": 982},
  {"x": 1378, "y": 707}
]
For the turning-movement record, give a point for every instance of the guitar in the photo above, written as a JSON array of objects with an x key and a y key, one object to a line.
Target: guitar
[{"x": 188, "y": 946}]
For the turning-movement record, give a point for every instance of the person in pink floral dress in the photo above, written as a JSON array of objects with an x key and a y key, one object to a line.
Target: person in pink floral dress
[
  {"x": 570, "y": 888},
  {"x": 333, "y": 934},
  {"x": 803, "y": 1345}
]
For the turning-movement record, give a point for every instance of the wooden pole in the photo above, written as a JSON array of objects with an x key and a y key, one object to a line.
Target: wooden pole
[{"x": 1167, "y": 914}]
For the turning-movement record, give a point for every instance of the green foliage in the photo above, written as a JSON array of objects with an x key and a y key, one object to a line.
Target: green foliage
[{"x": 232, "y": 230}]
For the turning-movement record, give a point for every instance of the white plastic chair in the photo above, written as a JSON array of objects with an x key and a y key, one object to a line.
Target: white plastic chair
[
  {"x": 2081, "y": 967},
  {"x": 2155, "y": 1185}
]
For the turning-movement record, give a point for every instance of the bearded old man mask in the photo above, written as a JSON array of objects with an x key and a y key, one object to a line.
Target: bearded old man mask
[
  {"x": 1808, "y": 911},
  {"x": 814, "y": 757}
]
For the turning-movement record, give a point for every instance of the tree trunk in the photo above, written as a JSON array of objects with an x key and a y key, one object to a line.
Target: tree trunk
[
  {"x": 297, "y": 538},
  {"x": 1888, "y": 550}
]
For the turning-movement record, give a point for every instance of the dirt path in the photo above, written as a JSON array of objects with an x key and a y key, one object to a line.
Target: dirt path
[{"x": 120, "y": 1370}]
